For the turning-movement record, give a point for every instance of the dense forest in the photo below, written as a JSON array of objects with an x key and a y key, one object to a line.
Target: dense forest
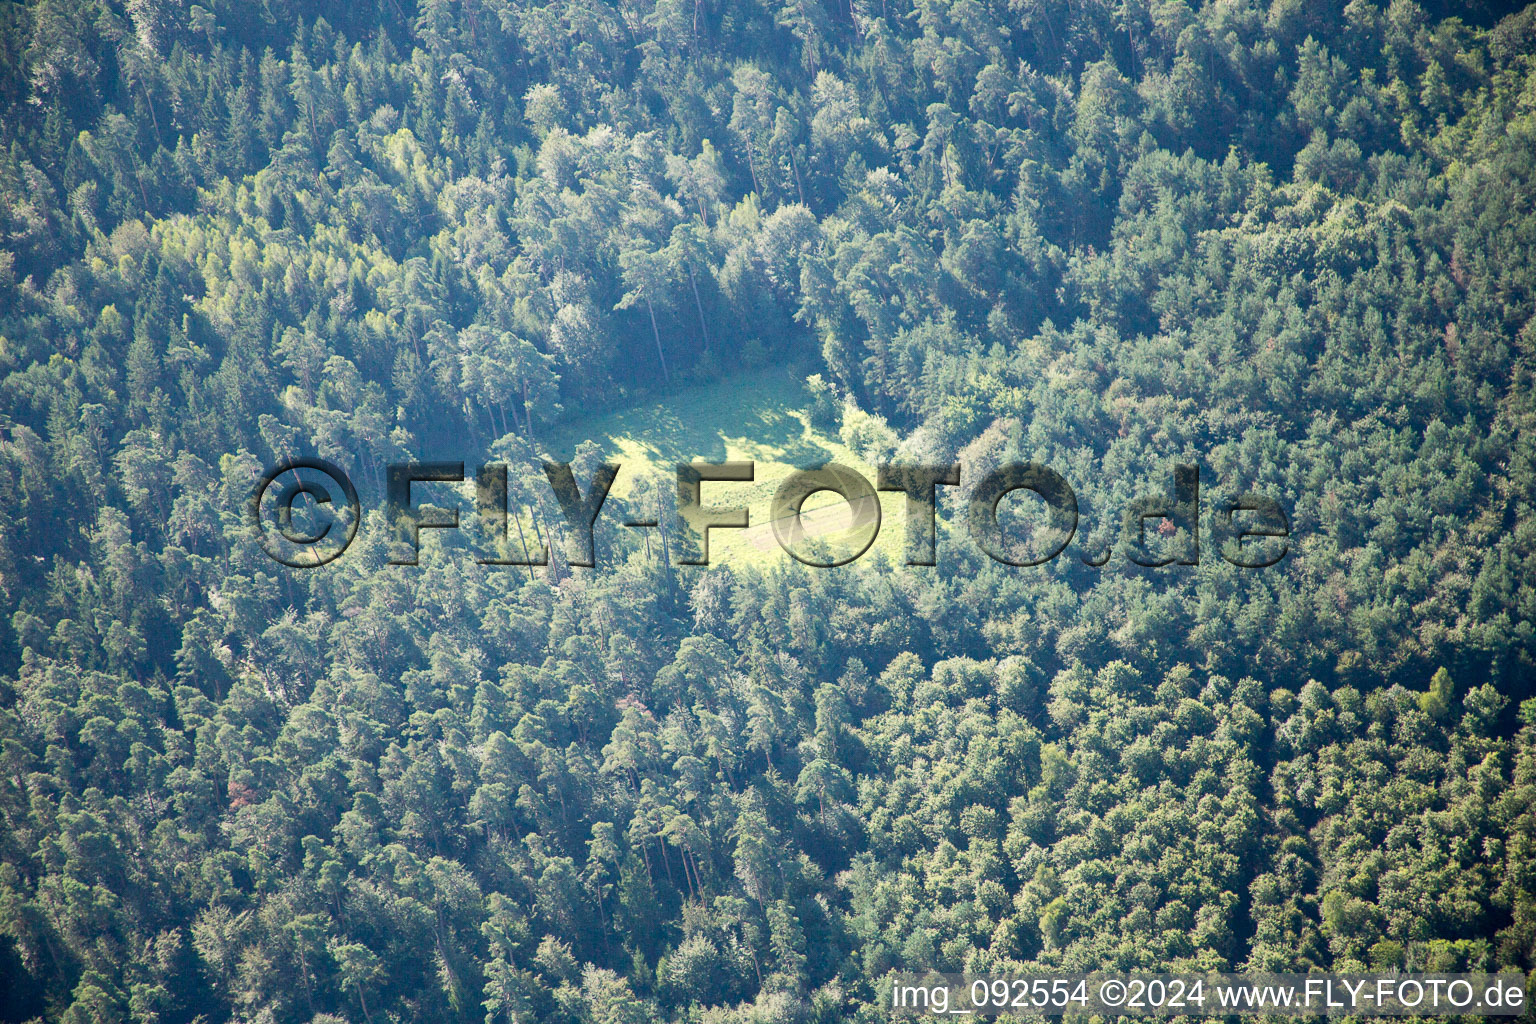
[{"x": 1292, "y": 242}]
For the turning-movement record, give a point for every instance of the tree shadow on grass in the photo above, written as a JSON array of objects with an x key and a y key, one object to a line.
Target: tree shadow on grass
[{"x": 757, "y": 417}]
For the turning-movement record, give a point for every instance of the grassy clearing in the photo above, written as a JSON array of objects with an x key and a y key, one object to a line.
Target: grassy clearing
[{"x": 758, "y": 417}]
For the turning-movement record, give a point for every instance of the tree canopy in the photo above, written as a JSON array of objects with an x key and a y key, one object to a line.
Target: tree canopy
[{"x": 1294, "y": 243}]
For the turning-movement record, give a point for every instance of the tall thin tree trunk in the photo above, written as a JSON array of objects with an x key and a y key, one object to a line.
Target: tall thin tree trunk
[
  {"x": 314, "y": 132},
  {"x": 692, "y": 892},
  {"x": 150, "y": 104},
  {"x": 756, "y": 969},
  {"x": 523, "y": 540},
  {"x": 540, "y": 532},
  {"x": 309, "y": 998},
  {"x": 752, "y": 167},
  {"x": 656, "y": 333},
  {"x": 799, "y": 185},
  {"x": 699, "y": 306}
]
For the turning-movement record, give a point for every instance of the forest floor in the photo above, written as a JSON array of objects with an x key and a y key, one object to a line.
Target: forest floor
[{"x": 758, "y": 416}]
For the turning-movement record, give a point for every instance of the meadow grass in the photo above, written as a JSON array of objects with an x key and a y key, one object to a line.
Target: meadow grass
[{"x": 759, "y": 416}]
